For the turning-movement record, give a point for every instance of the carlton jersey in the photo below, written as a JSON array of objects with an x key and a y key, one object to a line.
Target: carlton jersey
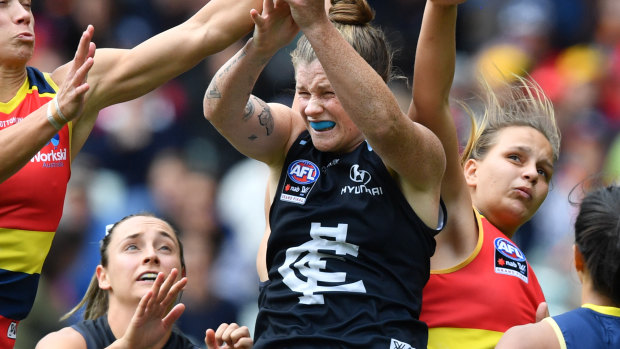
[
  {"x": 472, "y": 304},
  {"x": 347, "y": 256},
  {"x": 97, "y": 334},
  {"x": 591, "y": 326},
  {"x": 31, "y": 204}
]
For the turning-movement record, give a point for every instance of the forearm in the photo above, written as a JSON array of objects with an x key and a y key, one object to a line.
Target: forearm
[
  {"x": 20, "y": 142},
  {"x": 121, "y": 75},
  {"x": 434, "y": 65},
  {"x": 229, "y": 105},
  {"x": 432, "y": 81},
  {"x": 353, "y": 80},
  {"x": 223, "y": 22}
]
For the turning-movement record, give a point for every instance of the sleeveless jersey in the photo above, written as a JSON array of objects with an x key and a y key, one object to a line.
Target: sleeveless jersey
[
  {"x": 472, "y": 304},
  {"x": 98, "y": 334},
  {"x": 347, "y": 256},
  {"x": 591, "y": 326},
  {"x": 31, "y": 203}
]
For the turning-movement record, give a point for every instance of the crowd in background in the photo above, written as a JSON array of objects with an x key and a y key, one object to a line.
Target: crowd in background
[{"x": 158, "y": 153}]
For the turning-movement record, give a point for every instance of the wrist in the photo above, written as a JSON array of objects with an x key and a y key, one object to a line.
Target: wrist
[
  {"x": 58, "y": 111},
  {"x": 53, "y": 117},
  {"x": 257, "y": 53}
]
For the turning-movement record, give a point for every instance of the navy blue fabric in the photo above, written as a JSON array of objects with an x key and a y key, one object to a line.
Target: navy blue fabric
[
  {"x": 354, "y": 228},
  {"x": 98, "y": 335},
  {"x": 36, "y": 78},
  {"x": 586, "y": 328},
  {"x": 17, "y": 293}
]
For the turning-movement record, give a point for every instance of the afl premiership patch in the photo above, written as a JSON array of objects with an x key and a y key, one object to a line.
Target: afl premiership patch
[
  {"x": 509, "y": 260},
  {"x": 301, "y": 176}
]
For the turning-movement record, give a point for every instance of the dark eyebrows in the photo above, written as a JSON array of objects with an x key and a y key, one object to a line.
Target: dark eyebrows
[
  {"x": 521, "y": 148},
  {"x": 528, "y": 150},
  {"x": 161, "y": 233},
  {"x": 167, "y": 235}
]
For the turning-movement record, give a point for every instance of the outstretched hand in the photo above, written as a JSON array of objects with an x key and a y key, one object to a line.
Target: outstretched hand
[
  {"x": 229, "y": 337},
  {"x": 153, "y": 318},
  {"x": 274, "y": 28},
  {"x": 70, "y": 95},
  {"x": 306, "y": 12}
]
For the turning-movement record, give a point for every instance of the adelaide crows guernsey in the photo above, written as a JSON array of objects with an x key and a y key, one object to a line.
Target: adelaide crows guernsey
[
  {"x": 31, "y": 203},
  {"x": 591, "y": 326},
  {"x": 98, "y": 334},
  {"x": 347, "y": 256},
  {"x": 472, "y": 304}
]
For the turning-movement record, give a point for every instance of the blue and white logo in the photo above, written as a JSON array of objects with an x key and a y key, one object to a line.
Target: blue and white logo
[
  {"x": 303, "y": 172},
  {"x": 508, "y": 249}
]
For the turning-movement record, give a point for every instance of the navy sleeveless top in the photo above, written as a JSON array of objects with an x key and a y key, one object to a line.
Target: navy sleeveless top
[
  {"x": 347, "y": 256},
  {"x": 98, "y": 335},
  {"x": 590, "y": 326}
]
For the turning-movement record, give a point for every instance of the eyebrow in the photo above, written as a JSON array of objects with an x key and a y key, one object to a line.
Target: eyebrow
[
  {"x": 528, "y": 150},
  {"x": 161, "y": 233}
]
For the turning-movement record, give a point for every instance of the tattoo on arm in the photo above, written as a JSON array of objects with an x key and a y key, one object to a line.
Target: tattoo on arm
[
  {"x": 230, "y": 64},
  {"x": 265, "y": 118},
  {"x": 212, "y": 91},
  {"x": 249, "y": 109}
]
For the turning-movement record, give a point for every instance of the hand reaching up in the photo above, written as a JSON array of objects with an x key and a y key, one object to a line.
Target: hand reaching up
[
  {"x": 70, "y": 95},
  {"x": 229, "y": 337},
  {"x": 153, "y": 318},
  {"x": 274, "y": 27}
]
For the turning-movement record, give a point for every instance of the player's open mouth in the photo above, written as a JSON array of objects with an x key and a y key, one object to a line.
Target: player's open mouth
[
  {"x": 322, "y": 125},
  {"x": 148, "y": 276}
]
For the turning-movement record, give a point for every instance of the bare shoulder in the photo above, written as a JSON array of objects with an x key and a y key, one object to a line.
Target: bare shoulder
[
  {"x": 66, "y": 338},
  {"x": 531, "y": 336}
]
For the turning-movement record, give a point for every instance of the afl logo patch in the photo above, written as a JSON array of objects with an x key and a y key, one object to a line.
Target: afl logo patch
[
  {"x": 301, "y": 177},
  {"x": 509, "y": 260},
  {"x": 508, "y": 249},
  {"x": 303, "y": 172}
]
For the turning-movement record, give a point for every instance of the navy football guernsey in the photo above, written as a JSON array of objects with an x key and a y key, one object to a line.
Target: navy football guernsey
[
  {"x": 347, "y": 256},
  {"x": 591, "y": 326},
  {"x": 97, "y": 334}
]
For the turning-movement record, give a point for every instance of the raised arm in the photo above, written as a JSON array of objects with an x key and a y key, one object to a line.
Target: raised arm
[
  {"x": 432, "y": 80},
  {"x": 433, "y": 75},
  {"x": 408, "y": 148},
  {"x": 120, "y": 75},
  {"x": 258, "y": 130}
]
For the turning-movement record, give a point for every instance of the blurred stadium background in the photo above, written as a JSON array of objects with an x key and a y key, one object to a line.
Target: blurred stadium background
[{"x": 157, "y": 153}]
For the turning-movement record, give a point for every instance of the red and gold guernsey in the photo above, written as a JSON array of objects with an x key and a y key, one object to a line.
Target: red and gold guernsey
[
  {"x": 472, "y": 304},
  {"x": 31, "y": 203}
]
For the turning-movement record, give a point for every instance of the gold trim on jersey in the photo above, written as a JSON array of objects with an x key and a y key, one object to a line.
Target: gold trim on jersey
[
  {"x": 611, "y": 311},
  {"x": 474, "y": 253},
  {"x": 557, "y": 331},
  {"x": 24, "y": 90}
]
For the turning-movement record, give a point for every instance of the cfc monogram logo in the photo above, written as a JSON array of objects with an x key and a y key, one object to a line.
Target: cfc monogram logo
[{"x": 309, "y": 262}]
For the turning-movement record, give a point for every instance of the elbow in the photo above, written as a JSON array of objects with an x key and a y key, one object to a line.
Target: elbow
[
  {"x": 209, "y": 110},
  {"x": 210, "y": 102}
]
